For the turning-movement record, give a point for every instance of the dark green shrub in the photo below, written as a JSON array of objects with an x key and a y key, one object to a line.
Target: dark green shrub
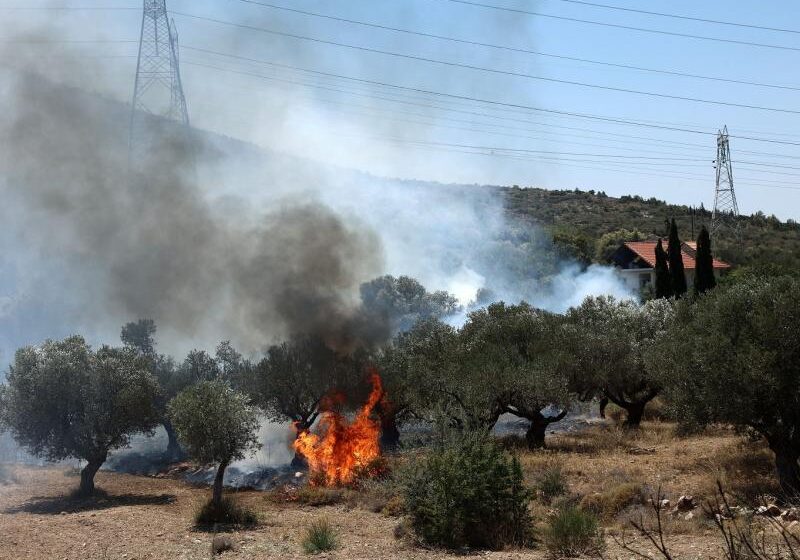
[
  {"x": 468, "y": 494},
  {"x": 227, "y": 511},
  {"x": 320, "y": 537},
  {"x": 572, "y": 531}
]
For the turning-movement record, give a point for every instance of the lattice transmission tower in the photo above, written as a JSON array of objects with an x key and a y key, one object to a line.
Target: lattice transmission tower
[
  {"x": 726, "y": 210},
  {"x": 158, "y": 90}
]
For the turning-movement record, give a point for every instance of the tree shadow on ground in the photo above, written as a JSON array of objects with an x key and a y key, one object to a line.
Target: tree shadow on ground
[{"x": 72, "y": 503}]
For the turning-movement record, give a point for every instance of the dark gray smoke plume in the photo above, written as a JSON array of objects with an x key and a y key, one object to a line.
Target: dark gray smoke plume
[{"x": 122, "y": 245}]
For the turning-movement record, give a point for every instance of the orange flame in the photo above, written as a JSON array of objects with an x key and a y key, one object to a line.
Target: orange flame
[{"x": 343, "y": 449}]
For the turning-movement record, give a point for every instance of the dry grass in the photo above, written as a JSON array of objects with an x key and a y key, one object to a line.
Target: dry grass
[{"x": 152, "y": 518}]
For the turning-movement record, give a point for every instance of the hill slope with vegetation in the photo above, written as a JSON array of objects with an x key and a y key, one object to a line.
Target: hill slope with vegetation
[{"x": 587, "y": 223}]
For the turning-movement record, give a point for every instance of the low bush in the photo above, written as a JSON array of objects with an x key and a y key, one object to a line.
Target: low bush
[
  {"x": 228, "y": 512},
  {"x": 572, "y": 531},
  {"x": 320, "y": 495},
  {"x": 470, "y": 493},
  {"x": 551, "y": 484},
  {"x": 320, "y": 537},
  {"x": 614, "y": 500}
]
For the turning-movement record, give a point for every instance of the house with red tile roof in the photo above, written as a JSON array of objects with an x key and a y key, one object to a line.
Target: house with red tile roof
[{"x": 636, "y": 260}]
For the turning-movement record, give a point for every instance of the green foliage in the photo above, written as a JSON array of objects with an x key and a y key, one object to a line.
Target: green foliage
[
  {"x": 704, "y": 279},
  {"x": 663, "y": 278},
  {"x": 606, "y": 343},
  {"x": 292, "y": 379},
  {"x": 227, "y": 511},
  {"x": 140, "y": 336},
  {"x": 765, "y": 241},
  {"x": 469, "y": 493},
  {"x": 320, "y": 537},
  {"x": 65, "y": 400},
  {"x": 215, "y": 422},
  {"x": 572, "y": 245},
  {"x": 734, "y": 358},
  {"x": 614, "y": 499},
  {"x": 609, "y": 242},
  {"x": 572, "y": 531},
  {"x": 675, "y": 258},
  {"x": 403, "y": 301},
  {"x": 551, "y": 484}
]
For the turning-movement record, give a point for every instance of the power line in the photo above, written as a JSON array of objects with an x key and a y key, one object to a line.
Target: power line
[
  {"x": 493, "y": 70},
  {"x": 518, "y": 49},
  {"x": 615, "y": 120},
  {"x": 620, "y": 26},
  {"x": 683, "y": 17}
]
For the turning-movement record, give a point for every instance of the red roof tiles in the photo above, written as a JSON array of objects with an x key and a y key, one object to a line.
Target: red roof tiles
[{"x": 646, "y": 250}]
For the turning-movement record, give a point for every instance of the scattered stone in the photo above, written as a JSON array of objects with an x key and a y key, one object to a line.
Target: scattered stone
[
  {"x": 666, "y": 504},
  {"x": 689, "y": 516},
  {"x": 299, "y": 474},
  {"x": 791, "y": 514},
  {"x": 220, "y": 544},
  {"x": 769, "y": 511}
]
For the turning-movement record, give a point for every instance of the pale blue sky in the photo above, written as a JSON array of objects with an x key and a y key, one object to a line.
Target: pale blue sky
[{"x": 375, "y": 128}]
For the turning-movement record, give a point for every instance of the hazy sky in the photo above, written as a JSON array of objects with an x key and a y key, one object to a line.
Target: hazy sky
[{"x": 406, "y": 133}]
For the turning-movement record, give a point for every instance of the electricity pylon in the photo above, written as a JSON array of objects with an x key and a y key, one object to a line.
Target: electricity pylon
[
  {"x": 726, "y": 210},
  {"x": 158, "y": 91}
]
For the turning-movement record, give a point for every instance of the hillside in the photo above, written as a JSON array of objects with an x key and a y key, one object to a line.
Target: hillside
[{"x": 578, "y": 219}]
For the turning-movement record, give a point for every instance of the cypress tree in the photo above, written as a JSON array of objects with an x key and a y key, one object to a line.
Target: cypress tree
[
  {"x": 704, "y": 274},
  {"x": 663, "y": 279},
  {"x": 675, "y": 256}
]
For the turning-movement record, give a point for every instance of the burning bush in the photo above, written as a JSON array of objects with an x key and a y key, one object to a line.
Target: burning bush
[
  {"x": 470, "y": 493},
  {"x": 344, "y": 450}
]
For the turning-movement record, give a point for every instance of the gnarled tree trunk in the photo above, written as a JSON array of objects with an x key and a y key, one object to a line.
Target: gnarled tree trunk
[
  {"x": 603, "y": 405},
  {"x": 174, "y": 450},
  {"x": 635, "y": 413},
  {"x": 390, "y": 433},
  {"x": 634, "y": 408},
  {"x": 87, "y": 474},
  {"x": 216, "y": 494},
  {"x": 788, "y": 469}
]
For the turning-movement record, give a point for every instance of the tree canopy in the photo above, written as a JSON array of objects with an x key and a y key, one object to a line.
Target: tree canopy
[
  {"x": 606, "y": 343},
  {"x": 403, "y": 301},
  {"x": 216, "y": 424},
  {"x": 65, "y": 400},
  {"x": 734, "y": 357}
]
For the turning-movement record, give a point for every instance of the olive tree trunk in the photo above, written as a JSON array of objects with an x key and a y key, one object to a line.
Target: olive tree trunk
[
  {"x": 87, "y": 474},
  {"x": 634, "y": 409},
  {"x": 216, "y": 495},
  {"x": 390, "y": 433},
  {"x": 174, "y": 450},
  {"x": 788, "y": 469}
]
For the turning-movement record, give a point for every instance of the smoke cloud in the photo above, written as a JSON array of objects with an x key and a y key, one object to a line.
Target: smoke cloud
[{"x": 215, "y": 239}]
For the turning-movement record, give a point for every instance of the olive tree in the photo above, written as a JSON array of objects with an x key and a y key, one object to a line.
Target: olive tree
[
  {"x": 607, "y": 342},
  {"x": 734, "y": 357},
  {"x": 407, "y": 366},
  {"x": 403, "y": 301},
  {"x": 294, "y": 378},
  {"x": 173, "y": 377},
  {"x": 521, "y": 357},
  {"x": 65, "y": 400},
  {"x": 217, "y": 425}
]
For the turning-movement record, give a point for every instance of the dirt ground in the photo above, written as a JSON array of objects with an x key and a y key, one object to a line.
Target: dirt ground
[{"x": 151, "y": 518}]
